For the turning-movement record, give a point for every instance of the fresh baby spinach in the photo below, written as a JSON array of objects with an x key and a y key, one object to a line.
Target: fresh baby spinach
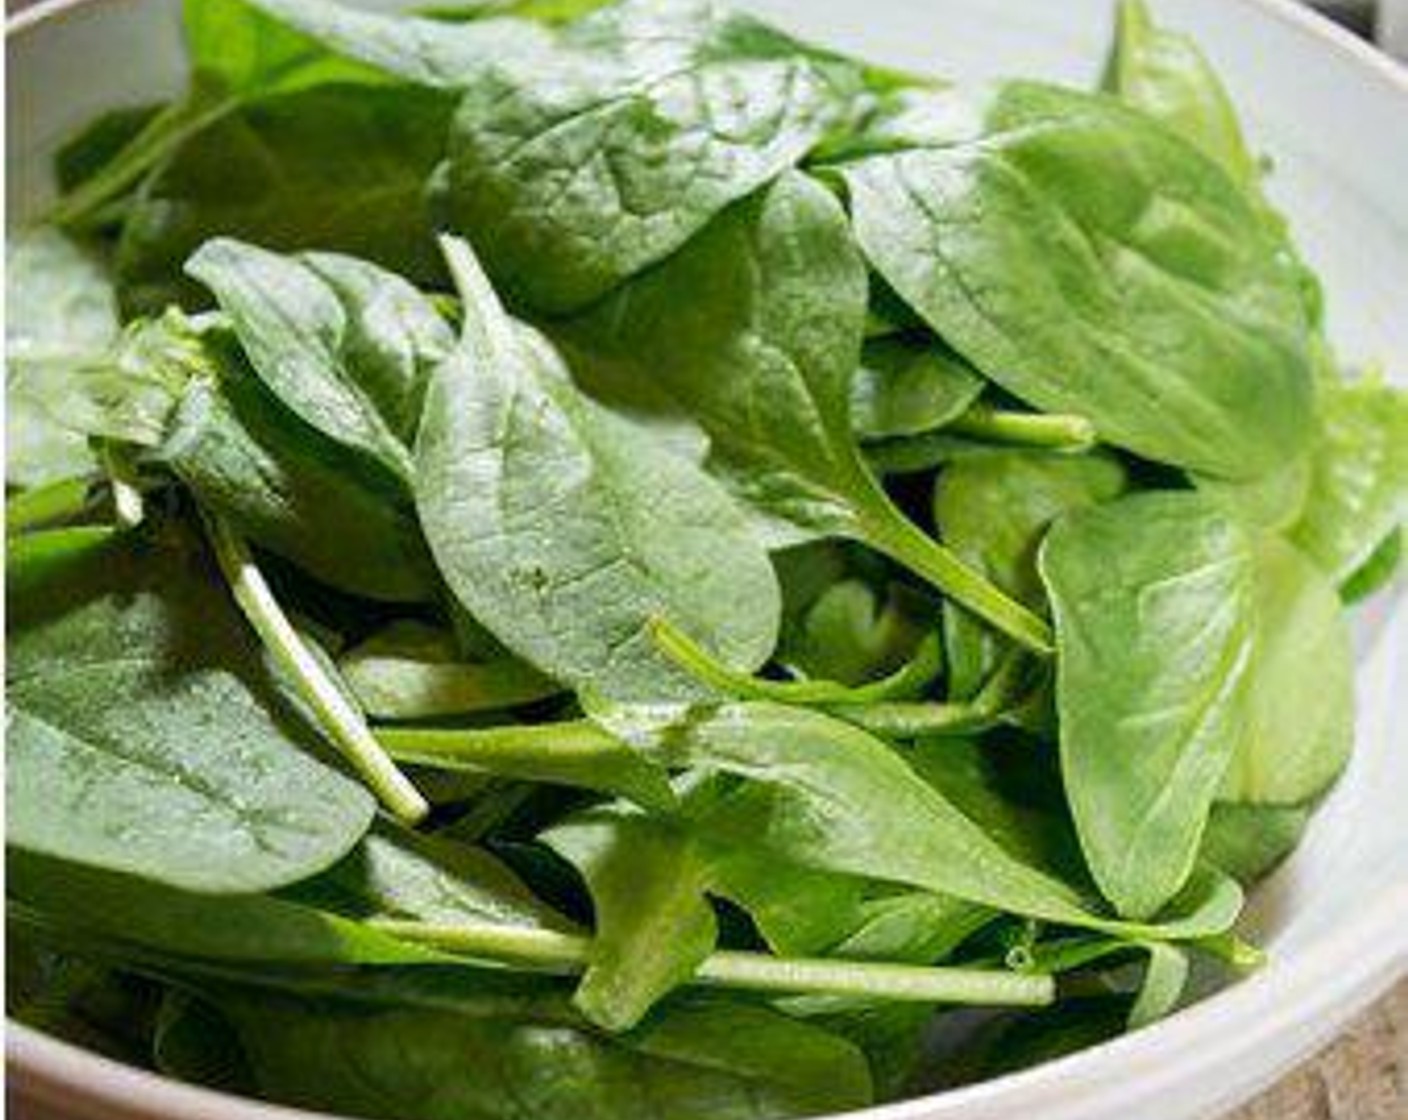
[
  {"x": 1090, "y": 261},
  {"x": 572, "y": 558},
  {"x": 1154, "y": 602},
  {"x": 344, "y": 346},
  {"x": 563, "y": 528},
  {"x": 259, "y": 175},
  {"x": 656, "y": 117},
  {"x": 144, "y": 736},
  {"x": 765, "y": 313}
]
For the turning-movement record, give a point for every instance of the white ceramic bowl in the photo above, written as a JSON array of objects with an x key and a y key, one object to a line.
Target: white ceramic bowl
[{"x": 1334, "y": 115}]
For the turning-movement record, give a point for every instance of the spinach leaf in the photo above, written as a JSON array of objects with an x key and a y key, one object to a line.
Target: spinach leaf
[
  {"x": 436, "y": 54},
  {"x": 715, "y": 1059},
  {"x": 576, "y": 168},
  {"x": 983, "y": 780},
  {"x": 1359, "y": 474},
  {"x": 85, "y": 1002},
  {"x": 654, "y": 925},
  {"x": 908, "y": 385},
  {"x": 409, "y": 671},
  {"x": 1090, "y": 261},
  {"x": 60, "y": 315},
  {"x": 117, "y": 650},
  {"x": 396, "y": 873},
  {"x": 824, "y": 794},
  {"x": 193, "y": 1043},
  {"x": 263, "y": 175},
  {"x": 797, "y": 910},
  {"x": 853, "y": 634},
  {"x": 1165, "y": 73},
  {"x": 289, "y": 489},
  {"x": 1248, "y": 841},
  {"x": 992, "y": 512},
  {"x": 762, "y": 316},
  {"x": 345, "y": 346},
  {"x": 237, "y": 56},
  {"x": 134, "y": 916},
  {"x": 1274, "y": 501},
  {"x": 1165, "y": 977},
  {"x": 1154, "y": 605},
  {"x": 1288, "y": 753},
  {"x": 563, "y": 529}
]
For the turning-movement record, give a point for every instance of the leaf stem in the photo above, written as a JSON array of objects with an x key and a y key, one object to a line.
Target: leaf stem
[
  {"x": 893, "y": 534},
  {"x": 169, "y": 128},
  {"x": 916, "y": 719},
  {"x": 573, "y": 753},
  {"x": 694, "y": 659},
  {"x": 760, "y": 972},
  {"x": 1025, "y": 429},
  {"x": 341, "y": 721}
]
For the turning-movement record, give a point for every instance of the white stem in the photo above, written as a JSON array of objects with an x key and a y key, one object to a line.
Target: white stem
[{"x": 342, "y": 722}]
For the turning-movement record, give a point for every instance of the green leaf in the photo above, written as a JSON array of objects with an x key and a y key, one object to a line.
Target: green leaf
[
  {"x": 290, "y": 490},
  {"x": 1092, "y": 262},
  {"x": 192, "y": 1042},
  {"x": 1154, "y": 604},
  {"x": 409, "y": 671},
  {"x": 530, "y": 1059},
  {"x": 1273, "y": 501},
  {"x": 1165, "y": 74},
  {"x": 237, "y": 56},
  {"x": 762, "y": 316},
  {"x": 798, "y": 910},
  {"x": 1359, "y": 475},
  {"x": 1289, "y": 751},
  {"x": 907, "y": 385},
  {"x": 263, "y": 175},
  {"x": 117, "y": 651},
  {"x": 564, "y": 529},
  {"x": 986, "y": 781},
  {"x": 852, "y": 633},
  {"x": 1165, "y": 977},
  {"x": 433, "y": 53},
  {"x": 60, "y": 315},
  {"x": 1248, "y": 841},
  {"x": 992, "y": 512},
  {"x": 826, "y": 795},
  {"x": 344, "y": 345},
  {"x": 247, "y": 930},
  {"x": 653, "y": 924},
  {"x": 576, "y": 168},
  {"x": 396, "y": 873}
]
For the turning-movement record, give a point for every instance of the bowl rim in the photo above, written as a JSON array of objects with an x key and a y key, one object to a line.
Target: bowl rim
[{"x": 1334, "y": 979}]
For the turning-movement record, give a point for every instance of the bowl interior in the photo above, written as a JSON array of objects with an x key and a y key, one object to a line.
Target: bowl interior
[{"x": 1335, "y": 121}]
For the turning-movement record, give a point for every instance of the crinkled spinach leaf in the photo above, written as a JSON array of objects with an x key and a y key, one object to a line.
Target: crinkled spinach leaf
[{"x": 576, "y": 168}]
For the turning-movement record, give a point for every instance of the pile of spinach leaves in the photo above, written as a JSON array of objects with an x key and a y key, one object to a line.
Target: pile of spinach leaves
[{"x": 575, "y": 559}]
